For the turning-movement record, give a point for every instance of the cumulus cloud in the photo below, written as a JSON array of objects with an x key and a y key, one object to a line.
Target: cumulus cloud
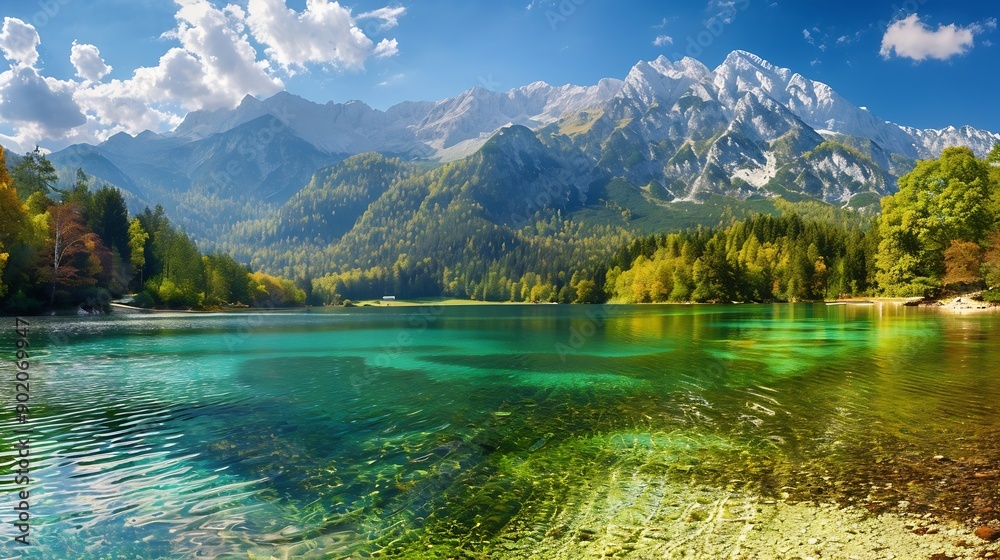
[
  {"x": 229, "y": 67},
  {"x": 19, "y": 41},
  {"x": 213, "y": 66},
  {"x": 911, "y": 38},
  {"x": 386, "y": 48},
  {"x": 39, "y": 107},
  {"x": 88, "y": 62},
  {"x": 324, "y": 33},
  {"x": 28, "y": 98},
  {"x": 663, "y": 40}
]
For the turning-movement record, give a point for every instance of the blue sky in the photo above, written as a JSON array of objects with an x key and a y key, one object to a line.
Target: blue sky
[{"x": 77, "y": 70}]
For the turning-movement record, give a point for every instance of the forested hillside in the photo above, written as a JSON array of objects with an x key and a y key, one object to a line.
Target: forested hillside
[
  {"x": 507, "y": 224},
  {"x": 512, "y": 222},
  {"x": 79, "y": 247},
  {"x": 940, "y": 232}
]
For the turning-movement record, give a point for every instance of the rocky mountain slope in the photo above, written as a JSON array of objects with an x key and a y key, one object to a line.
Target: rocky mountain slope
[{"x": 674, "y": 131}]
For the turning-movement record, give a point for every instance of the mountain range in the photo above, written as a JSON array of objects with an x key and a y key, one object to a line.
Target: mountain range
[{"x": 669, "y": 133}]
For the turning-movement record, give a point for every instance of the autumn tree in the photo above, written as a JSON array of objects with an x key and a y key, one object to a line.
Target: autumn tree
[
  {"x": 5, "y": 178},
  {"x": 991, "y": 262},
  {"x": 962, "y": 260},
  {"x": 14, "y": 220},
  {"x": 15, "y": 230},
  {"x": 72, "y": 255}
]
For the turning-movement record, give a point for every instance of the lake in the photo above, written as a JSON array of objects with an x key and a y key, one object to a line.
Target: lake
[{"x": 497, "y": 431}]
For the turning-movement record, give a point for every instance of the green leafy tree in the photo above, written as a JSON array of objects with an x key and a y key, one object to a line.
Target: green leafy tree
[
  {"x": 991, "y": 262},
  {"x": 939, "y": 201},
  {"x": 137, "y": 238},
  {"x": 34, "y": 173},
  {"x": 271, "y": 291},
  {"x": 226, "y": 281},
  {"x": 994, "y": 156},
  {"x": 587, "y": 292}
]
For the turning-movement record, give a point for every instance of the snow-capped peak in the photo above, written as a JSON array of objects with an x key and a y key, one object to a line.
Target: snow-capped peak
[{"x": 661, "y": 81}]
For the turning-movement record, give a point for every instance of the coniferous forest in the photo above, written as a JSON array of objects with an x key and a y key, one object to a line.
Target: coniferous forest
[
  {"x": 373, "y": 226},
  {"x": 80, "y": 248},
  {"x": 427, "y": 236}
]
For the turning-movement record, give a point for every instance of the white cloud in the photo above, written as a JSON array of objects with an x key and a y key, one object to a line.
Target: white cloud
[
  {"x": 724, "y": 11},
  {"x": 88, "y": 62},
  {"x": 911, "y": 38},
  {"x": 808, "y": 37},
  {"x": 661, "y": 25},
  {"x": 29, "y": 97},
  {"x": 537, "y": 4},
  {"x": 663, "y": 40},
  {"x": 324, "y": 33},
  {"x": 386, "y": 48},
  {"x": 213, "y": 66},
  {"x": 229, "y": 65},
  {"x": 389, "y": 16},
  {"x": 38, "y": 107},
  {"x": 392, "y": 80},
  {"x": 19, "y": 41}
]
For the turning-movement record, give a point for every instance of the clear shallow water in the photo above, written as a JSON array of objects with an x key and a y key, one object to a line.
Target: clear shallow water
[{"x": 504, "y": 429}]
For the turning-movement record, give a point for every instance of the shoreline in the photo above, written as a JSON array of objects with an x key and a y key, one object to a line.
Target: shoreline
[{"x": 125, "y": 309}]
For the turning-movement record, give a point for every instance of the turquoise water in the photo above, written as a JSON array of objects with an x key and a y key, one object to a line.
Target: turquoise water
[{"x": 491, "y": 430}]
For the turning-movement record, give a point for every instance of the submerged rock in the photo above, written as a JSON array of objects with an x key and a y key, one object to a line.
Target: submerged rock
[{"x": 987, "y": 533}]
